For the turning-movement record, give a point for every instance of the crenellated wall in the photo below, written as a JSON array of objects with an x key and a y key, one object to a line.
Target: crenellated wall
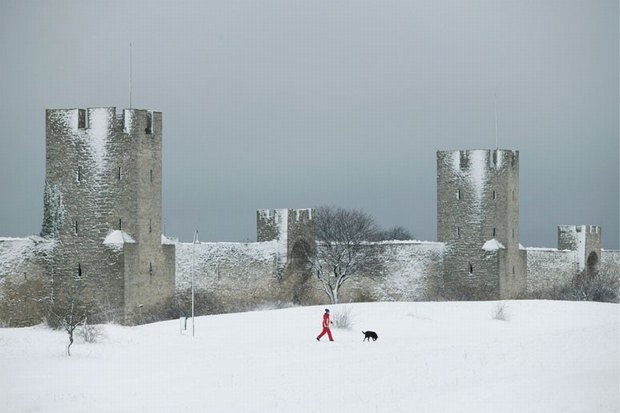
[{"x": 102, "y": 224}]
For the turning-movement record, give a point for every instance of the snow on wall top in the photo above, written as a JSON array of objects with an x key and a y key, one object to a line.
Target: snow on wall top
[
  {"x": 257, "y": 251},
  {"x": 204, "y": 257},
  {"x": 16, "y": 251},
  {"x": 430, "y": 244},
  {"x": 493, "y": 245},
  {"x": 118, "y": 238},
  {"x": 168, "y": 240}
]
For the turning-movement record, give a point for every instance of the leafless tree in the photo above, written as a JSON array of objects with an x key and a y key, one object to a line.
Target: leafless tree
[
  {"x": 71, "y": 309},
  {"x": 397, "y": 233},
  {"x": 342, "y": 248}
]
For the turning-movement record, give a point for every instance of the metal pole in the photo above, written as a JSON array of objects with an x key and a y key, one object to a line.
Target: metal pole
[
  {"x": 495, "y": 110},
  {"x": 130, "y": 75},
  {"x": 193, "y": 258}
]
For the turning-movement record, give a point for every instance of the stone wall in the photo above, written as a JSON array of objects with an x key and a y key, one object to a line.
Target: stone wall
[
  {"x": 244, "y": 276},
  {"x": 24, "y": 286},
  {"x": 610, "y": 262},
  {"x": 549, "y": 268}
]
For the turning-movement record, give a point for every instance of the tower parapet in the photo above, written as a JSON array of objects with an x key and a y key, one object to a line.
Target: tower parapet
[
  {"x": 293, "y": 229},
  {"x": 586, "y": 241}
]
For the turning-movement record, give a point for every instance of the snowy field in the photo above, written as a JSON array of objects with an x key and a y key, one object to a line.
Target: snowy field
[{"x": 430, "y": 357}]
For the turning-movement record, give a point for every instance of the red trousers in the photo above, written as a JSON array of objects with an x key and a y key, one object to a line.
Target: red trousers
[{"x": 329, "y": 334}]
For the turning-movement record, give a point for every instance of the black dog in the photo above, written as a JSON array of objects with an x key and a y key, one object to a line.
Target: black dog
[{"x": 370, "y": 334}]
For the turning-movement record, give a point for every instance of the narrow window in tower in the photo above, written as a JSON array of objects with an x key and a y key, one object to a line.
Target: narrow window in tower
[
  {"x": 150, "y": 225},
  {"x": 471, "y": 268},
  {"x": 119, "y": 175},
  {"x": 513, "y": 270},
  {"x": 494, "y": 231},
  {"x": 458, "y": 194},
  {"x": 458, "y": 232},
  {"x": 79, "y": 271},
  {"x": 76, "y": 227},
  {"x": 120, "y": 223},
  {"x": 494, "y": 195},
  {"x": 151, "y": 175},
  {"x": 81, "y": 119},
  {"x": 79, "y": 173},
  {"x": 151, "y": 269},
  {"x": 149, "y": 124},
  {"x": 513, "y": 233}
]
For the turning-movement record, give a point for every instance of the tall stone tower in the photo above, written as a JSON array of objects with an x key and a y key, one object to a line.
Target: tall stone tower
[
  {"x": 478, "y": 219},
  {"x": 102, "y": 204}
]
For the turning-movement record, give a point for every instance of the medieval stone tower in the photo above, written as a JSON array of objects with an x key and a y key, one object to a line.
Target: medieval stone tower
[
  {"x": 478, "y": 219},
  {"x": 102, "y": 205}
]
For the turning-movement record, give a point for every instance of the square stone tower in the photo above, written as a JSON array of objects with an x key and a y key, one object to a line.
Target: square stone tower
[
  {"x": 478, "y": 219},
  {"x": 586, "y": 241},
  {"x": 102, "y": 204},
  {"x": 293, "y": 229}
]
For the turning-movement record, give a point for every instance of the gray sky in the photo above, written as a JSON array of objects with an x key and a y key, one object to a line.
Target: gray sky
[{"x": 278, "y": 104}]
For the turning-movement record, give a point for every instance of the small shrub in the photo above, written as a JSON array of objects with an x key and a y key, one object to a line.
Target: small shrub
[
  {"x": 90, "y": 333},
  {"x": 343, "y": 318},
  {"x": 500, "y": 312}
]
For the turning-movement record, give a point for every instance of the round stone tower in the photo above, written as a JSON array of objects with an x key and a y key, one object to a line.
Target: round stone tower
[{"x": 478, "y": 219}]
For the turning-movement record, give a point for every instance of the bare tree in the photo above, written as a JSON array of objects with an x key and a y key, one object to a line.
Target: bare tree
[
  {"x": 71, "y": 309},
  {"x": 395, "y": 233},
  {"x": 342, "y": 249}
]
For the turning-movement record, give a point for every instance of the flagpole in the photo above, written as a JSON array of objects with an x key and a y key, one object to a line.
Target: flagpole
[
  {"x": 495, "y": 109},
  {"x": 130, "y": 75}
]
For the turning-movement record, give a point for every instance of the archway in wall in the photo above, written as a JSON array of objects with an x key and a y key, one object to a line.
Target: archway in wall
[
  {"x": 299, "y": 256},
  {"x": 592, "y": 266}
]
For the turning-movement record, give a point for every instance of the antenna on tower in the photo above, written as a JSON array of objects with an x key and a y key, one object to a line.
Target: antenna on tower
[
  {"x": 495, "y": 110},
  {"x": 129, "y": 75}
]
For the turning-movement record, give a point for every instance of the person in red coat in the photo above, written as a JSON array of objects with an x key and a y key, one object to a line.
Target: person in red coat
[{"x": 326, "y": 324}]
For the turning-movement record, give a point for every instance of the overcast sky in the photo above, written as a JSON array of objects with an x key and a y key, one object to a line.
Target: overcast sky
[{"x": 295, "y": 104}]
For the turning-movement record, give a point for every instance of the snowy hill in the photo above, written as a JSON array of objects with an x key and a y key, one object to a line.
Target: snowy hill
[{"x": 430, "y": 357}]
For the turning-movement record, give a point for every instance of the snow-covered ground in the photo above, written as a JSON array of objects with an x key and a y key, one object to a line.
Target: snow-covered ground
[{"x": 430, "y": 357}]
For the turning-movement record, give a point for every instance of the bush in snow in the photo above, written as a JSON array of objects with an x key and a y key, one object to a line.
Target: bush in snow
[
  {"x": 602, "y": 287},
  {"x": 90, "y": 333},
  {"x": 500, "y": 312},
  {"x": 342, "y": 318}
]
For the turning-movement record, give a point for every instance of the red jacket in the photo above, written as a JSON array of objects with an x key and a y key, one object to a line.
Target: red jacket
[{"x": 326, "y": 320}]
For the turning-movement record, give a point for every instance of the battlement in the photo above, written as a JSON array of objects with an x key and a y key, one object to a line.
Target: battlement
[
  {"x": 591, "y": 229},
  {"x": 585, "y": 240},
  {"x": 273, "y": 223},
  {"x": 105, "y": 119},
  {"x": 459, "y": 160},
  {"x": 575, "y": 237}
]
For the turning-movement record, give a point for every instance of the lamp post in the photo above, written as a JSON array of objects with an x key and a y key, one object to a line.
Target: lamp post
[{"x": 195, "y": 241}]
